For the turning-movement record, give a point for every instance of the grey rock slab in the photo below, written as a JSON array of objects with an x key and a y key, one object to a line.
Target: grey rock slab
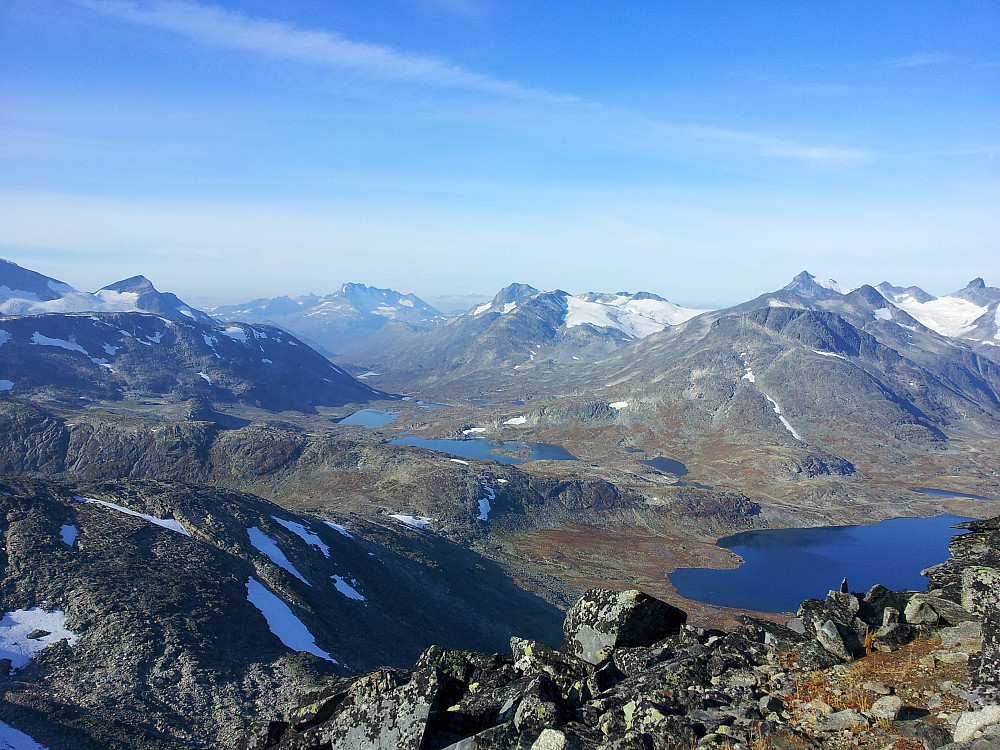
[
  {"x": 974, "y": 721},
  {"x": 602, "y": 620}
]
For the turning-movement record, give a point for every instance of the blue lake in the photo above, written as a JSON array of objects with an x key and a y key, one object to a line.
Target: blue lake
[
  {"x": 478, "y": 448},
  {"x": 949, "y": 493},
  {"x": 784, "y": 566},
  {"x": 667, "y": 465},
  {"x": 370, "y": 418}
]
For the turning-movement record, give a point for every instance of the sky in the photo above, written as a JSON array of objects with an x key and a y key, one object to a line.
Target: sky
[{"x": 704, "y": 151}]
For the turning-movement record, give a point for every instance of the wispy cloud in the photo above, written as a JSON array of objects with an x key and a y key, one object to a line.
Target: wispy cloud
[
  {"x": 224, "y": 29},
  {"x": 221, "y": 28},
  {"x": 920, "y": 60}
]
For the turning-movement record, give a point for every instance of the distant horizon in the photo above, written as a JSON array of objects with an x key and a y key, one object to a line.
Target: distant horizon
[
  {"x": 233, "y": 149},
  {"x": 451, "y": 305}
]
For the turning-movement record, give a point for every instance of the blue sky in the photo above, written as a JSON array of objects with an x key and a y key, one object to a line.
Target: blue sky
[{"x": 705, "y": 151}]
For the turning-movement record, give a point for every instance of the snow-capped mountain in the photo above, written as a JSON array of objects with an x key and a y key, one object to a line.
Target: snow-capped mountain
[
  {"x": 110, "y": 356},
  {"x": 26, "y": 292},
  {"x": 521, "y": 327},
  {"x": 970, "y": 313},
  {"x": 808, "y": 285},
  {"x": 337, "y": 322}
]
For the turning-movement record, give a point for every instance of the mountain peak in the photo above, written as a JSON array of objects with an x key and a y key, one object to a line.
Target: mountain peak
[
  {"x": 132, "y": 284},
  {"x": 807, "y": 285},
  {"x": 976, "y": 283}
]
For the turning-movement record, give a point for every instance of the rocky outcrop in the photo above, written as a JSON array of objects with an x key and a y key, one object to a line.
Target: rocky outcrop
[{"x": 632, "y": 674}]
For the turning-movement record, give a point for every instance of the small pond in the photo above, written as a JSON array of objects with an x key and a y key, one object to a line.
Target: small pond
[
  {"x": 483, "y": 449},
  {"x": 784, "y": 566},
  {"x": 948, "y": 493},
  {"x": 667, "y": 465},
  {"x": 370, "y": 418}
]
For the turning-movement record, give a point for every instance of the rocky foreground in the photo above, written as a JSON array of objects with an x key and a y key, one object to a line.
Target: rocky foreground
[{"x": 883, "y": 669}]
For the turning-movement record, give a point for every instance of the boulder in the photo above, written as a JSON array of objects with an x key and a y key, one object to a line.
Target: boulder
[
  {"x": 888, "y": 707},
  {"x": 975, "y": 721},
  {"x": 935, "y": 611},
  {"x": 603, "y": 620}
]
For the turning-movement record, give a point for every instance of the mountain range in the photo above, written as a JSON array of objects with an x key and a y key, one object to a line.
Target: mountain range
[{"x": 336, "y": 323}]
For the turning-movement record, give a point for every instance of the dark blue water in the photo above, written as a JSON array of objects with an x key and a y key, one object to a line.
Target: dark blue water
[
  {"x": 949, "y": 493},
  {"x": 549, "y": 452},
  {"x": 480, "y": 448},
  {"x": 464, "y": 448},
  {"x": 429, "y": 405},
  {"x": 784, "y": 566},
  {"x": 370, "y": 418},
  {"x": 668, "y": 465}
]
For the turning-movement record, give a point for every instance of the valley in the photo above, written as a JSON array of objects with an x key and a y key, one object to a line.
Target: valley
[{"x": 452, "y": 481}]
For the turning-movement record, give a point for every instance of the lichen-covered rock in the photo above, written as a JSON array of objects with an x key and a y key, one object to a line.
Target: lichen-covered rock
[
  {"x": 603, "y": 620},
  {"x": 924, "y": 609}
]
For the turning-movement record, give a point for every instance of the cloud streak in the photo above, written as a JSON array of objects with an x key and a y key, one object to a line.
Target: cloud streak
[
  {"x": 221, "y": 28},
  {"x": 224, "y": 29}
]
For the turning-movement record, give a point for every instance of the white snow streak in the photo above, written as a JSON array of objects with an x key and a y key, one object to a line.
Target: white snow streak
[
  {"x": 282, "y": 621},
  {"x": 40, "y": 340},
  {"x": 516, "y": 420},
  {"x": 417, "y": 522},
  {"x": 618, "y": 405},
  {"x": 473, "y": 430},
  {"x": 307, "y": 536},
  {"x": 204, "y": 377},
  {"x": 340, "y": 529},
  {"x": 166, "y": 523},
  {"x": 347, "y": 589},
  {"x": 266, "y": 545},
  {"x": 484, "y": 504},
  {"x": 15, "y": 739}
]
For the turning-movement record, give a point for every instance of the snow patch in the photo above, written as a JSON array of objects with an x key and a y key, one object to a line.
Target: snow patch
[
  {"x": 785, "y": 422},
  {"x": 618, "y": 405},
  {"x": 882, "y": 313},
  {"x": 459, "y": 461},
  {"x": 750, "y": 376},
  {"x": 16, "y": 626},
  {"x": 266, "y": 362},
  {"x": 111, "y": 350},
  {"x": 236, "y": 334},
  {"x": 166, "y": 523},
  {"x": 4, "y": 337},
  {"x": 267, "y": 546},
  {"x": 347, "y": 589},
  {"x": 473, "y": 430},
  {"x": 508, "y": 307},
  {"x": 156, "y": 338},
  {"x": 40, "y": 340},
  {"x": 417, "y": 522},
  {"x": 305, "y": 534},
  {"x": 482, "y": 308},
  {"x": 282, "y": 621},
  {"x": 68, "y": 533},
  {"x": 516, "y": 420},
  {"x": 339, "y": 529},
  {"x": 484, "y": 504},
  {"x": 15, "y": 739},
  {"x": 777, "y": 303},
  {"x": 829, "y": 354},
  {"x": 6, "y": 385},
  {"x": 204, "y": 377}
]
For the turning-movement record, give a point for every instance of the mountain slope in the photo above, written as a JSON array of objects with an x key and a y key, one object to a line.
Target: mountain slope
[
  {"x": 25, "y": 292},
  {"x": 340, "y": 321},
  {"x": 186, "y": 610},
  {"x": 110, "y": 356}
]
